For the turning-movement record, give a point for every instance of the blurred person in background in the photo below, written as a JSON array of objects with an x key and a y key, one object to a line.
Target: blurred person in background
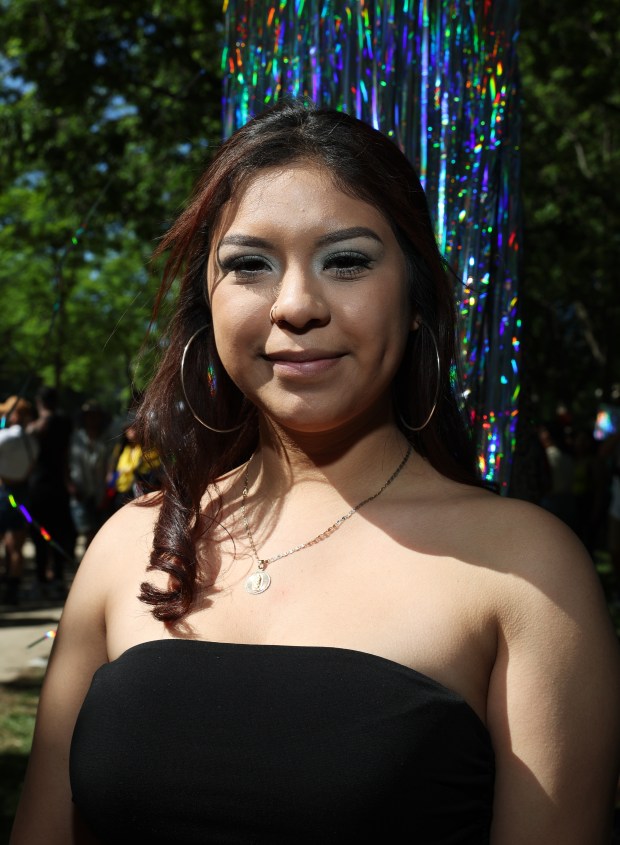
[
  {"x": 49, "y": 493},
  {"x": 588, "y": 489},
  {"x": 18, "y": 452},
  {"x": 560, "y": 498},
  {"x": 610, "y": 451},
  {"x": 134, "y": 471},
  {"x": 88, "y": 465}
]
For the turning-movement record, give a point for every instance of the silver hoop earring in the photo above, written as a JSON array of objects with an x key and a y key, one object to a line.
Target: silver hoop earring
[
  {"x": 189, "y": 404},
  {"x": 436, "y": 400},
  {"x": 272, "y": 313}
]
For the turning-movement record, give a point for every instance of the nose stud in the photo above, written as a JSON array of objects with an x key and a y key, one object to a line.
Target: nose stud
[{"x": 272, "y": 315}]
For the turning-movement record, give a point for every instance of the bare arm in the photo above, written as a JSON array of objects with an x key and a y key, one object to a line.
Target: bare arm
[
  {"x": 41, "y": 424},
  {"x": 46, "y": 813},
  {"x": 554, "y": 696}
]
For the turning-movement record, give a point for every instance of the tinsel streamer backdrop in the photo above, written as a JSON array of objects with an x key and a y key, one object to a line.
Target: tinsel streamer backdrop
[{"x": 440, "y": 78}]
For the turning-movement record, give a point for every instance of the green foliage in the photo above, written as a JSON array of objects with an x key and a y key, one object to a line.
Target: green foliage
[
  {"x": 571, "y": 197},
  {"x": 107, "y": 114}
]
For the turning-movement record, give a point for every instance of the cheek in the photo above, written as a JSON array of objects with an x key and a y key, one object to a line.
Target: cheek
[
  {"x": 387, "y": 314},
  {"x": 239, "y": 328}
]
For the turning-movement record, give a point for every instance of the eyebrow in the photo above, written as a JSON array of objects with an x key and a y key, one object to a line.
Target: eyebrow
[
  {"x": 243, "y": 240},
  {"x": 330, "y": 238},
  {"x": 348, "y": 235}
]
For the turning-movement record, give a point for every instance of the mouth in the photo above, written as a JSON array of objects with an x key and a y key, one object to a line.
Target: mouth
[
  {"x": 302, "y": 356},
  {"x": 303, "y": 363}
]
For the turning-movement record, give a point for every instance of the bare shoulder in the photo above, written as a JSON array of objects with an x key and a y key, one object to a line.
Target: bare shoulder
[
  {"x": 533, "y": 574},
  {"x": 120, "y": 549},
  {"x": 125, "y": 539},
  {"x": 134, "y": 521},
  {"x": 514, "y": 538},
  {"x": 554, "y": 692}
]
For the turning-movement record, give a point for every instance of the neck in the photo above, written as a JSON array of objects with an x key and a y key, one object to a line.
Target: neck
[{"x": 350, "y": 457}]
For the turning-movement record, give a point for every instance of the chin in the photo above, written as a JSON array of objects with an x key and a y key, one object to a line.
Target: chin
[{"x": 320, "y": 424}]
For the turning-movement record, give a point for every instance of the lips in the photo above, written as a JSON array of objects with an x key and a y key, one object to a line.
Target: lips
[
  {"x": 303, "y": 362},
  {"x": 302, "y": 355}
]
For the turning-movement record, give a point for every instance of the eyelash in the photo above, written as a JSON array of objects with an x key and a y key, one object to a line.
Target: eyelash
[
  {"x": 344, "y": 265},
  {"x": 348, "y": 265},
  {"x": 241, "y": 265}
]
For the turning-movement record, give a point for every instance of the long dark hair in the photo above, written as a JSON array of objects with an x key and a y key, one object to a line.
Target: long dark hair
[{"x": 362, "y": 163}]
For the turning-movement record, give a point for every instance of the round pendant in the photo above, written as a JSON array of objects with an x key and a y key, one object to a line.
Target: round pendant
[{"x": 257, "y": 582}]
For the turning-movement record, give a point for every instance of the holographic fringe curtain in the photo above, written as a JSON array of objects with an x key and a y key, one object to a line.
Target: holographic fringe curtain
[{"x": 440, "y": 78}]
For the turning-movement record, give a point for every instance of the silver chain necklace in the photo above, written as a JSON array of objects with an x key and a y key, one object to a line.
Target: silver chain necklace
[{"x": 260, "y": 580}]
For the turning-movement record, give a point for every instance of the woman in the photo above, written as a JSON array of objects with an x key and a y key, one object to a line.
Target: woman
[{"x": 340, "y": 635}]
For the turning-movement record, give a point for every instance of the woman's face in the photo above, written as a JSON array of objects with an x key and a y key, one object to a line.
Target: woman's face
[{"x": 331, "y": 265}]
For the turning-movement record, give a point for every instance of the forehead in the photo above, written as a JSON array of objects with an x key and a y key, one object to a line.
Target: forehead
[{"x": 297, "y": 195}]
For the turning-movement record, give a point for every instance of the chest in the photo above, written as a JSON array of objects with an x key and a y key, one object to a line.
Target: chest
[
  {"x": 429, "y": 612},
  {"x": 313, "y": 745}
]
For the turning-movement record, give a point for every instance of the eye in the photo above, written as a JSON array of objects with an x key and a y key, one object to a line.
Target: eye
[
  {"x": 347, "y": 265},
  {"x": 245, "y": 266}
]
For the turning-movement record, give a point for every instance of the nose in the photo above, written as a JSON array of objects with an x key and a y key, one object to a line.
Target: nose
[{"x": 301, "y": 301}]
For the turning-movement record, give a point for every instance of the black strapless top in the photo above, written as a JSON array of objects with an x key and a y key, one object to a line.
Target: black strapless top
[{"x": 185, "y": 741}]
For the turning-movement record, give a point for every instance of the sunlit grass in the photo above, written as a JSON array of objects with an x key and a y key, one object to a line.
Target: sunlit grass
[{"x": 18, "y": 707}]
